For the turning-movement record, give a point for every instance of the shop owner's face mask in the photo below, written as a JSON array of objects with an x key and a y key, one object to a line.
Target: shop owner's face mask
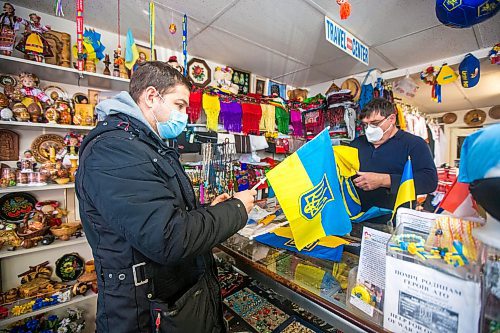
[{"x": 375, "y": 133}]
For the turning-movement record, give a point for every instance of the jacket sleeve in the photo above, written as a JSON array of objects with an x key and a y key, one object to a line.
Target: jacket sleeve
[
  {"x": 424, "y": 170},
  {"x": 136, "y": 202}
]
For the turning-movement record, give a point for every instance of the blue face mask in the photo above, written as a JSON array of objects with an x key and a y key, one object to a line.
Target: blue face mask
[{"x": 173, "y": 127}]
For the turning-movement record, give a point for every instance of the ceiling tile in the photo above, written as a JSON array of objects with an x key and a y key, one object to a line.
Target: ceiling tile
[
  {"x": 489, "y": 32},
  {"x": 226, "y": 49},
  {"x": 304, "y": 78},
  {"x": 437, "y": 43},
  {"x": 347, "y": 65},
  {"x": 290, "y": 27},
  {"x": 377, "y": 22}
]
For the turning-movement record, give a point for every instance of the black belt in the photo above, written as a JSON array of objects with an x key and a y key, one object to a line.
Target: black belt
[{"x": 136, "y": 275}]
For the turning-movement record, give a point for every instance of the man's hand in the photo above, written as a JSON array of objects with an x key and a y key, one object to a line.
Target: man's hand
[
  {"x": 369, "y": 181},
  {"x": 247, "y": 197},
  {"x": 221, "y": 198}
]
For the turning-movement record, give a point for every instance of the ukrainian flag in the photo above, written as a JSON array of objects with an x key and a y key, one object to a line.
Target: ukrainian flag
[
  {"x": 131, "y": 52},
  {"x": 308, "y": 190},
  {"x": 406, "y": 191}
]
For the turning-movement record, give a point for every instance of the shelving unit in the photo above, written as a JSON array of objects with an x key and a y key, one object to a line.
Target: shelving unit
[
  {"x": 53, "y": 73},
  {"x": 39, "y": 248},
  {"x": 37, "y": 126},
  {"x": 14, "y": 189},
  {"x": 75, "y": 300}
]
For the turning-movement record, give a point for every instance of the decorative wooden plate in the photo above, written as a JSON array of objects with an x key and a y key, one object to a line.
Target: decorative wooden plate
[
  {"x": 9, "y": 145},
  {"x": 41, "y": 146}
]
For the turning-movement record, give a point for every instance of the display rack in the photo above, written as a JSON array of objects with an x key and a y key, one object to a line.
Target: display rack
[
  {"x": 39, "y": 248},
  {"x": 53, "y": 73},
  {"x": 75, "y": 300},
  {"x": 37, "y": 126},
  {"x": 14, "y": 189}
]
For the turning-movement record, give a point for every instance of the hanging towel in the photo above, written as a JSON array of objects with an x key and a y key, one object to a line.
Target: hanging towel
[
  {"x": 230, "y": 114},
  {"x": 267, "y": 122},
  {"x": 282, "y": 120},
  {"x": 251, "y": 115},
  {"x": 211, "y": 105}
]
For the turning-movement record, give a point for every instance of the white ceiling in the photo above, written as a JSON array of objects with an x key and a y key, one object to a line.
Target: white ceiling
[{"x": 285, "y": 39}]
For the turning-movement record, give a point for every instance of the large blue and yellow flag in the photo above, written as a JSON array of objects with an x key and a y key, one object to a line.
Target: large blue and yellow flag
[
  {"x": 308, "y": 190},
  {"x": 406, "y": 191}
]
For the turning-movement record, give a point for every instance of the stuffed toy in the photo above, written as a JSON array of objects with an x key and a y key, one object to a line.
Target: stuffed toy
[
  {"x": 345, "y": 9},
  {"x": 297, "y": 94}
]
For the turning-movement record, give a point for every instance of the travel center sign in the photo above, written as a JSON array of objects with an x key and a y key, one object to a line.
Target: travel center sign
[{"x": 345, "y": 41}]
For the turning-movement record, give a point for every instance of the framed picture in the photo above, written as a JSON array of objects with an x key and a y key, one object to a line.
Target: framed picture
[
  {"x": 259, "y": 85},
  {"x": 276, "y": 88},
  {"x": 242, "y": 79},
  {"x": 93, "y": 96},
  {"x": 199, "y": 73}
]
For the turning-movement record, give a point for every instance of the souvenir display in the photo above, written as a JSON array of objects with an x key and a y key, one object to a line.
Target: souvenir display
[
  {"x": 15, "y": 206},
  {"x": 65, "y": 110},
  {"x": 33, "y": 96},
  {"x": 449, "y": 118},
  {"x": 4, "y": 101},
  {"x": 51, "y": 115},
  {"x": 255, "y": 310},
  {"x": 242, "y": 80},
  {"x": 34, "y": 44},
  {"x": 60, "y": 46},
  {"x": 21, "y": 112},
  {"x": 6, "y": 114},
  {"x": 9, "y": 25},
  {"x": 92, "y": 48},
  {"x": 86, "y": 281},
  {"x": 72, "y": 322},
  {"x": 199, "y": 72},
  {"x": 69, "y": 267},
  {"x": 37, "y": 290},
  {"x": 47, "y": 147},
  {"x": 49, "y": 212},
  {"x": 295, "y": 325},
  {"x": 9, "y": 145},
  {"x": 475, "y": 117}
]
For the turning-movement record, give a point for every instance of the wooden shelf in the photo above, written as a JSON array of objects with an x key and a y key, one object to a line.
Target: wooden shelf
[
  {"x": 76, "y": 299},
  {"x": 38, "y": 126},
  {"x": 13, "y": 189},
  {"x": 57, "y": 243},
  {"x": 53, "y": 73}
]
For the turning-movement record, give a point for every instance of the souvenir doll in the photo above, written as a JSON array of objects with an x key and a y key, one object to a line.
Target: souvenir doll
[
  {"x": 27, "y": 163},
  {"x": 33, "y": 42},
  {"x": 33, "y": 95},
  {"x": 172, "y": 61},
  {"x": 9, "y": 24}
]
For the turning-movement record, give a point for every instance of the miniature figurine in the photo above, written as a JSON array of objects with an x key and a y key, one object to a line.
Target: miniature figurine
[
  {"x": 28, "y": 162},
  {"x": 172, "y": 61},
  {"x": 34, "y": 44},
  {"x": 106, "y": 65},
  {"x": 9, "y": 24},
  {"x": 33, "y": 95},
  {"x": 117, "y": 56}
]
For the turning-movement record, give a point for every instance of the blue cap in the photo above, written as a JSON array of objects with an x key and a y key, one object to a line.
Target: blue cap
[
  {"x": 469, "y": 71},
  {"x": 480, "y": 155}
]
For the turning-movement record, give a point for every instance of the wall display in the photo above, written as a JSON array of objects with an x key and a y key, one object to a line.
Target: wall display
[
  {"x": 199, "y": 72},
  {"x": 276, "y": 88},
  {"x": 242, "y": 79},
  {"x": 259, "y": 85},
  {"x": 494, "y": 112},
  {"x": 475, "y": 117},
  {"x": 34, "y": 45},
  {"x": 449, "y": 118},
  {"x": 14, "y": 206},
  {"x": 9, "y": 145},
  {"x": 80, "y": 98},
  {"x": 60, "y": 45},
  {"x": 47, "y": 146},
  {"x": 144, "y": 55}
]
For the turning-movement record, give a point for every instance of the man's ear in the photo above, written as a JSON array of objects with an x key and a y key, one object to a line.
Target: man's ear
[{"x": 148, "y": 96}]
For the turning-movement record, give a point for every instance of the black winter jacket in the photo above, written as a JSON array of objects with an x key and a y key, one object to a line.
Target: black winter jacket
[{"x": 142, "y": 221}]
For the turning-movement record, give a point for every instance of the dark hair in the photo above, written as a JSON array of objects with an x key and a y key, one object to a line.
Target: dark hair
[
  {"x": 157, "y": 74},
  {"x": 377, "y": 105}
]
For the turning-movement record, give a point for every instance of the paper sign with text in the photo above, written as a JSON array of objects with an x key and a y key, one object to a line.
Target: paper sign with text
[{"x": 346, "y": 41}]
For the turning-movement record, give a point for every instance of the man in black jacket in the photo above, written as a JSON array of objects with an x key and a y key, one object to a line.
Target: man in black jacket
[{"x": 150, "y": 239}]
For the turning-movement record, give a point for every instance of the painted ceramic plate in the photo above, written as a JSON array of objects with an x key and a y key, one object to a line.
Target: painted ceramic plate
[
  {"x": 69, "y": 267},
  {"x": 42, "y": 145},
  {"x": 475, "y": 117},
  {"x": 80, "y": 98},
  {"x": 56, "y": 93},
  {"x": 6, "y": 80},
  {"x": 449, "y": 118},
  {"x": 494, "y": 112},
  {"x": 14, "y": 206}
]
